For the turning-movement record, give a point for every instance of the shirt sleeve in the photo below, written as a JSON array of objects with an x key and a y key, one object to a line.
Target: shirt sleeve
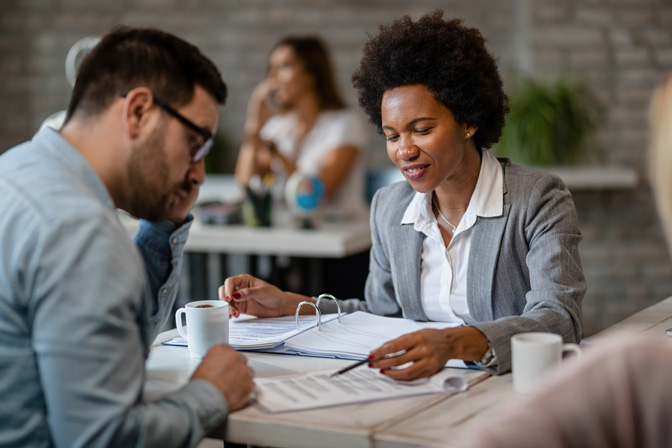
[{"x": 86, "y": 315}]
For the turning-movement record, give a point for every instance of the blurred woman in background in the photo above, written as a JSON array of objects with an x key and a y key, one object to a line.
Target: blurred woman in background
[{"x": 297, "y": 121}]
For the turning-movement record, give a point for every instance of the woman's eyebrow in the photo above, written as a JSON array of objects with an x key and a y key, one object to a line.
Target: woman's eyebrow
[{"x": 412, "y": 122}]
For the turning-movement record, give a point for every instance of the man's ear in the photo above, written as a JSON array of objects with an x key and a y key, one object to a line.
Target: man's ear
[{"x": 136, "y": 111}]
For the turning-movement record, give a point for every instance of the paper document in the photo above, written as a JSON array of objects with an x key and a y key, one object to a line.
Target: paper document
[
  {"x": 264, "y": 333},
  {"x": 357, "y": 335},
  {"x": 316, "y": 389}
]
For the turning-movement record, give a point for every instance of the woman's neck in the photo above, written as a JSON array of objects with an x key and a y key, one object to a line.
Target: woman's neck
[
  {"x": 307, "y": 110},
  {"x": 454, "y": 195}
]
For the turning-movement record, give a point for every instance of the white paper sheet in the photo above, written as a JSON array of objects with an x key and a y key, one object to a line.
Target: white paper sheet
[{"x": 318, "y": 389}]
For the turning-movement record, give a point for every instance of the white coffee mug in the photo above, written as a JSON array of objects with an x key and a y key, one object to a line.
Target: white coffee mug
[
  {"x": 533, "y": 355},
  {"x": 207, "y": 325}
]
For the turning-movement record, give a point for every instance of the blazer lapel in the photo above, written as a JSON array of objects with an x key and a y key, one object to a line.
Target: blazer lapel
[{"x": 486, "y": 241}]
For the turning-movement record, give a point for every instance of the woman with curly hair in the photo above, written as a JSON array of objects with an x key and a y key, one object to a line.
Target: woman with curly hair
[{"x": 467, "y": 238}]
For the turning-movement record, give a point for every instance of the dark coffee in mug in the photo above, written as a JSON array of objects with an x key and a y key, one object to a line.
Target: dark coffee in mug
[{"x": 203, "y": 306}]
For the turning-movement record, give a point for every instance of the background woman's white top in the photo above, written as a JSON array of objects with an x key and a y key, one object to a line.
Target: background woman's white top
[{"x": 333, "y": 129}]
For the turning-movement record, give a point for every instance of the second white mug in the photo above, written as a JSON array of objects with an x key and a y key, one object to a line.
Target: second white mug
[
  {"x": 207, "y": 325},
  {"x": 533, "y": 355}
]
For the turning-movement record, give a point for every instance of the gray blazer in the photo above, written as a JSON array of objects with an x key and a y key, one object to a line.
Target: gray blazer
[{"x": 524, "y": 270}]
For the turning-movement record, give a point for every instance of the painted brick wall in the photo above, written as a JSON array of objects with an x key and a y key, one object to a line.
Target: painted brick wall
[{"x": 621, "y": 47}]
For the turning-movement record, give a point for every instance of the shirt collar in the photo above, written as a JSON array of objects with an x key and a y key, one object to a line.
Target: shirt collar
[
  {"x": 487, "y": 200},
  {"x": 54, "y": 142}
]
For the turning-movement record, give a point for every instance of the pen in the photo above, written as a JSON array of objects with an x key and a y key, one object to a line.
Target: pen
[
  {"x": 364, "y": 361},
  {"x": 349, "y": 368}
]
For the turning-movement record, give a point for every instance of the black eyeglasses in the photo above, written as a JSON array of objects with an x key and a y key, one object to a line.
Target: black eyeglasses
[{"x": 198, "y": 151}]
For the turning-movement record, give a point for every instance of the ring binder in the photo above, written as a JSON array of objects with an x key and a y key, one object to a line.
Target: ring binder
[
  {"x": 317, "y": 311},
  {"x": 329, "y": 296}
]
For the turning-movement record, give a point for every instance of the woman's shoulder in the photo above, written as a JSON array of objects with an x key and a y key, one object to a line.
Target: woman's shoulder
[
  {"x": 347, "y": 117},
  {"x": 392, "y": 200},
  {"x": 343, "y": 126},
  {"x": 519, "y": 177}
]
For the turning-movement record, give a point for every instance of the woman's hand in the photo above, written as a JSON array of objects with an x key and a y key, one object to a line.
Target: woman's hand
[
  {"x": 259, "y": 108},
  {"x": 246, "y": 294},
  {"x": 428, "y": 350}
]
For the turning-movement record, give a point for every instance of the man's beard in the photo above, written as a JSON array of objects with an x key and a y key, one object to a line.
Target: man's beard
[{"x": 148, "y": 178}]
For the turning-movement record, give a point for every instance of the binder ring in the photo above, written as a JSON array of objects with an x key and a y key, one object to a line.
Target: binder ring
[
  {"x": 317, "y": 311},
  {"x": 329, "y": 296}
]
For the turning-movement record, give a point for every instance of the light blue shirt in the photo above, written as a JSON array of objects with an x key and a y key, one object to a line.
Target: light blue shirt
[{"x": 79, "y": 307}]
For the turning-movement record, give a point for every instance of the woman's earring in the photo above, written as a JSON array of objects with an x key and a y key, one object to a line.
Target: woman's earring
[{"x": 468, "y": 134}]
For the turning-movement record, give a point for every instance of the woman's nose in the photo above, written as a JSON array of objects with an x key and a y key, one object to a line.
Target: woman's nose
[{"x": 406, "y": 149}]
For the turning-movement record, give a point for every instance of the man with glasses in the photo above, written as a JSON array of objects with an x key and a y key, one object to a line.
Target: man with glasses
[{"x": 80, "y": 303}]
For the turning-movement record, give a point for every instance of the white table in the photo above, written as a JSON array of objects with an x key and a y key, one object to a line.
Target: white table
[
  {"x": 399, "y": 423},
  {"x": 168, "y": 368},
  {"x": 440, "y": 424}
]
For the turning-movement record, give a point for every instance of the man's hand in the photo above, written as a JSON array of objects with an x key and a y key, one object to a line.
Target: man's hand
[{"x": 228, "y": 371}]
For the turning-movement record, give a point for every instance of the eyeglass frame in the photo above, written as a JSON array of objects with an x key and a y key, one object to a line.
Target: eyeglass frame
[{"x": 208, "y": 138}]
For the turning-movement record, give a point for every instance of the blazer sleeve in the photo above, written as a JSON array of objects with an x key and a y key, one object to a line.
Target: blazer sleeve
[{"x": 546, "y": 235}]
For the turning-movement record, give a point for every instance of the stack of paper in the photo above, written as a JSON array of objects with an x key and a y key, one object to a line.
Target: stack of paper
[{"x": 317, "y": 389}]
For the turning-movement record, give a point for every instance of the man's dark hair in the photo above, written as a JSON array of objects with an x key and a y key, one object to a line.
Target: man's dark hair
[
  {"x": 127, "y": 58},
  {"x": 313, "y": 53},
  {"x": 449, "y": 59}
]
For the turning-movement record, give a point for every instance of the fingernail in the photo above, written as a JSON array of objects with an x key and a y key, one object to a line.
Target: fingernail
[
  {"x": 370, "y": 357},
  {"x": 227, "y": 298},
  {"x": 370, "y": 365},
  {"x": 237, "y": 296},
  {"x": 236, "y": 314},
  {"x": 382, "y": 371}
]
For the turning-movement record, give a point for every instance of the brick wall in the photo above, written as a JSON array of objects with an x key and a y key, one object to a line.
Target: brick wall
[{"x": 621, "y": 47}]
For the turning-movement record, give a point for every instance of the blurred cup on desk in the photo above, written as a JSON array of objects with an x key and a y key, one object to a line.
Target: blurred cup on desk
[
  {"x": 533, "y": 355},
  {"x": 207, "y": 325}
]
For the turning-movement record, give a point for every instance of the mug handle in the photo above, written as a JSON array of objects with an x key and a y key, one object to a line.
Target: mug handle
[
  {"x": 572, "y": 348},
  {"x": 178, "y": 321}
]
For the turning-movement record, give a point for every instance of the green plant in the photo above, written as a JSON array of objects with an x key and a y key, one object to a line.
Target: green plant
[{"x": 550, "y": 123}]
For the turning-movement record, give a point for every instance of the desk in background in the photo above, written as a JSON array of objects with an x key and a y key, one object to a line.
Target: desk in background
[{"x": 290, "y": 257}]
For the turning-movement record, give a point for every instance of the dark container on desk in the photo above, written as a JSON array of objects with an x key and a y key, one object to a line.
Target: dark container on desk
[{"x": 257, "y": 208}]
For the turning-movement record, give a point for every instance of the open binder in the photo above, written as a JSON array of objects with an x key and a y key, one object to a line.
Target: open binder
[{"x": 350, "y": 336}]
